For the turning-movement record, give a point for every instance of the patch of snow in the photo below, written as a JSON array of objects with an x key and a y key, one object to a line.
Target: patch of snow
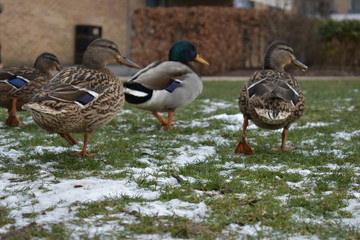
[
  {"x": 210, "y": 106},
  {"x": 195, "y": 123},
  {"x": 247, "y": 230},
  {"x": 346, "y": 136},
  {"x": 311, "y": 125},
  {"x": 191, "y": 155},
  {"x": 337, "y": 153},
  {"x": 45, "y": 194},
  {"x": 166, "y": 236},
  {"x": 10, "y": 149},
  {"x": 174, "y": 207},
  {"x": 308, "y": 142},
  {"x": 43, "y": 149},
  {"x": 354, "y": 208}
]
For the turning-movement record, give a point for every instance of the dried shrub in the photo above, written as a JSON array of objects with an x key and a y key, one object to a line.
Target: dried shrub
[{"x": 229, "y": 38}]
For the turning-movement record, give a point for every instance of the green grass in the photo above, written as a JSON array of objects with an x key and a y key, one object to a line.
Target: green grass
[{"x": 310, "y": 192}]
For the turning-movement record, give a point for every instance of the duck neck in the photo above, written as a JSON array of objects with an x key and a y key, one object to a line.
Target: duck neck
[
  {"x": 273, "y": 62},
  {"x": 195, "y": 70},
  {"x": 274, "y": 65},
  {"x": 44, "y": 71},
  {"x": 92, "y": 62}
]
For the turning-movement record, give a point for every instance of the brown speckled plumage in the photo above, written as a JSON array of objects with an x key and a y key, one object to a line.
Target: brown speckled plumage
[
  {"x": 272, "y": 98},
  {"x": 38, "y": 76},
  {"x": 57, "y": 109},
  {"x": 60, "y": 113},
  {"x": 247, "y": 106}
]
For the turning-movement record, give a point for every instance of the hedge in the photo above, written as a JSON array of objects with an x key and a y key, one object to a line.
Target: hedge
[
  {"x": 340, "y": 43},
  {"x": 229, "y": 38}
]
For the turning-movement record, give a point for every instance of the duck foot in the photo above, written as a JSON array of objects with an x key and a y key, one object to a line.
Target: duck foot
[
  {"x": 13, "y": 121},
  {"x": 82, "y": 154},
  {"x": 243, "y": 147},
  {"x": 283, "y": 142},
  {"x": 167, "y": 122}
]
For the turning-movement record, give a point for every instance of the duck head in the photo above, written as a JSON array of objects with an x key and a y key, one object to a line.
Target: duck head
[
  {"x": 185, "y": 51},
  {"x": 47, "y": 62},
  {"x": 278, "y": 55},
  {"x": 101, "y": 52}
]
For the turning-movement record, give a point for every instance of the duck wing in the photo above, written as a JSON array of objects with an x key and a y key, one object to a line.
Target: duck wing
[
  {"x": 160, "y": 75},
  {"x": 24, "y": 82},
  {"x": 67, "y": 93},
  {"x": 73, "y": 86},
  {"x": 273, "y": 85}
]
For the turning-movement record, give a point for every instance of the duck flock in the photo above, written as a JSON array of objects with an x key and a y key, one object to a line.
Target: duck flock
[{"x": 82, "y": 98}]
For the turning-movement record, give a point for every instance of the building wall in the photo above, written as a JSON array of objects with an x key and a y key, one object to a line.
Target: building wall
[
  {"x": 29, "y": 28},
  {"x": 341, "y": 6}
]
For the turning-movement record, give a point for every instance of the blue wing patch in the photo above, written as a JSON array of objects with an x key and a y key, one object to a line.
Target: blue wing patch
[
  {"x": 173, "y": 85},
  {"x": 18, "y": 82},
  {"x": 86, "y": 98}
]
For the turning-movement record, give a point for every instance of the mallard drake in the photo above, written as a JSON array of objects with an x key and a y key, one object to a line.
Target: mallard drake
[
  {"x": 19, "y": 84},
  {"x": 82, "y": 98},
  {"x": 272, "y": 98},
  {"x": 165, "y": 86}
]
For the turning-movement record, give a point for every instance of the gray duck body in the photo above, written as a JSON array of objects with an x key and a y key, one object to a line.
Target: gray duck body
[{"x": 160, "y": 96}]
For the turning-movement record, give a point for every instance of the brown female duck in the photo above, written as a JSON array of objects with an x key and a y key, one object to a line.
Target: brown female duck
[
  {"x": 19, "y": 84},
  {"x": 272, "y": 98},
  {"x": 81, "y": 99}
]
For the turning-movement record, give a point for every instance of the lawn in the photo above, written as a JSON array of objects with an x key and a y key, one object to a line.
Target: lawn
[{"x": 186, "y": 183}]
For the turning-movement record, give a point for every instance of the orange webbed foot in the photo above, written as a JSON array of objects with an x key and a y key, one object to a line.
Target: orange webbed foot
[
  {"x": 243, "y": 147},
  {"x": 168, "y": 125},
  {"x": 82, "y": 154},
  {"x": 14, "y": 121}
]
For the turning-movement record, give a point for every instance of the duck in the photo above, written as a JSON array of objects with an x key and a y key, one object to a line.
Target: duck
[
  {"x": 82, "y": 98},
  {"x": 19, "y": 84},
  {"x": 272, "y": 98},
  {"x": 165, "y": 86}
]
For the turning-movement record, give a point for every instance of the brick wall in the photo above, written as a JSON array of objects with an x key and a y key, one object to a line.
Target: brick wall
[{"x": 30, "y": 27}]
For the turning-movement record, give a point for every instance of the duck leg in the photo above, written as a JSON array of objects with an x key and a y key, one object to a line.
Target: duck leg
[
  {"x": 12, "y": 119},
  {"x": 243, "y": 147},
  {"x": 167, "y": 122},
  {"x": 283, "y": 142},
  {"x": 72, "y": 138},
  {"x": 68, "y": 137},
  {"x": 83, "y": 152}
]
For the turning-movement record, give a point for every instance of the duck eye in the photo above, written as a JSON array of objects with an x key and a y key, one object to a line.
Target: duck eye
[{"x": 288, "y": 50}]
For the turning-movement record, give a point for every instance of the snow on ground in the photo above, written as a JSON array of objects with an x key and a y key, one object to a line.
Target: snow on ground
[
  {"x": 247, "y": 230},
  {"x": 194, "y": 211},
  {"x": 29, "y": 196},
  {"x": 53, "y": 197},
  {"x": 353, "y": 207},
  {"x": 210, "y": 106},
  {"x": 191, "y": 155}
]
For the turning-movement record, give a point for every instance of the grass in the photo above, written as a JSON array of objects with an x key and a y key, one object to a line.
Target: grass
[{"x": 310, "y": 192}]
